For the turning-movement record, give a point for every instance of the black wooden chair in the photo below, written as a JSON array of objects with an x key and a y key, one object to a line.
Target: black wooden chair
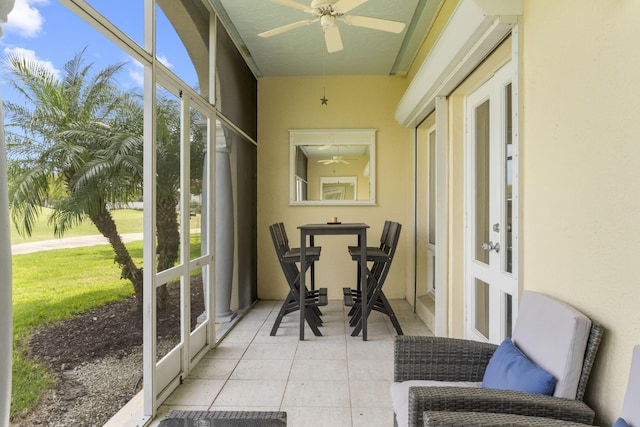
[
  {"x": 381, "y": 259},
  {"x": 355, "y": 251},
  {"x": 313, "y": 299},
  {"x": 313, "y": 252}
]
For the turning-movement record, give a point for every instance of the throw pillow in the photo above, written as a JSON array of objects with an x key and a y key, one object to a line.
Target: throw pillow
[
  {"x": 620, "y": 422},
  {"x": 510, "y": 369}
]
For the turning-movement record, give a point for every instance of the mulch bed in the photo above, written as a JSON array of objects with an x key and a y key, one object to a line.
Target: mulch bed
[{"x": 114, "y": 329}]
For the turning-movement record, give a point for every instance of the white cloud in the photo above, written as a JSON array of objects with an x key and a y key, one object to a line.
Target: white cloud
[
  {"x": 164, "y": 61},
  {"x": 25, "y": 19},
  {"x": 31, "y": 55},
  {"x": 136, "y": 70},
  {"x": 136, "y": 73}
]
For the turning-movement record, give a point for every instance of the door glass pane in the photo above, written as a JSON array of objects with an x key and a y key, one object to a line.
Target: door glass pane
[
  {"x": 168, "y": 333},
  {"x": 167, "y": 179},
  {"x": 482, "y": 193},
  {"x": 432, "y": 272},
  {"x": 432, "y": 187},
  {"x": 199, "y": 313},
  {"x": 198, "y": 212},
  {"x": 508, "y": 315},
  {"x": 508, "y": 181},
  {"x": 198, "y": 172},
  {"x": 481, "y": 321}
]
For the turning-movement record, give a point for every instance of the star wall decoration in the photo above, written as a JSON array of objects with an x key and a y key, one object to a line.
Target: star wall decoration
[{"x": 324, "y": 100}]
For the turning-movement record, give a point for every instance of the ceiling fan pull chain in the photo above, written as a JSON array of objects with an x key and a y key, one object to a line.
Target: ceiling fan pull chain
[{"x": 323, "y": 100}]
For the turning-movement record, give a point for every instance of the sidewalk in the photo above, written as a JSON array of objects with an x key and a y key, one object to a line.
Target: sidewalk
[{"x": 71, "y": 242}]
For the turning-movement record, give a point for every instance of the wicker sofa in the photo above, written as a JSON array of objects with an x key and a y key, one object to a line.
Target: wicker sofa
[
  {"x": 630, "y": 413},
  {"x": 441, "y": 365}
]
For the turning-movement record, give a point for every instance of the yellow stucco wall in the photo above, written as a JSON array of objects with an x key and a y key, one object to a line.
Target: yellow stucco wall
[
  {"x": 354, "y": 102},
  {"x": 580, "y": 167},
  {"x": 581, "y": 172}
]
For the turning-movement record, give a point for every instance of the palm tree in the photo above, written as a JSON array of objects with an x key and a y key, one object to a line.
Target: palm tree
[{"x": 58, "y": 161}]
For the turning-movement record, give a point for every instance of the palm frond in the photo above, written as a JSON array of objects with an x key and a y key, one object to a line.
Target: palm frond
[
  {"x": 66, "y": 214},
  {"x": 28, "y": 193}
]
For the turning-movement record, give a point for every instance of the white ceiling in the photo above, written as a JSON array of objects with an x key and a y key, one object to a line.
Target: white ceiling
[{"x": 302, "y": 51}]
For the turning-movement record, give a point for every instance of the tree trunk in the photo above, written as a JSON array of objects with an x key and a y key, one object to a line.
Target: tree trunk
[
  {"x": 107, "y": 227},
  {"x": 168, "y": 238}
]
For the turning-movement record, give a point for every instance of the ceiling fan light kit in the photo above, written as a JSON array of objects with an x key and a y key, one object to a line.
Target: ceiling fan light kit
[
  {"x": 333, "y": 159},
  {"x": 327, "y": 12}
]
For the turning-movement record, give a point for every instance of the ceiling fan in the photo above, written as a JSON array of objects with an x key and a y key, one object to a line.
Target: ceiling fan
[
  {"x": 333, "y": 159},
  {"x": 327, "y": 12}
]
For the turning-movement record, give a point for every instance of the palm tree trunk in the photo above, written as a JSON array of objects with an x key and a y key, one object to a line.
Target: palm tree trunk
[
  {"x": 168, "y": 235},
  {"x": 107, "y": 227}
]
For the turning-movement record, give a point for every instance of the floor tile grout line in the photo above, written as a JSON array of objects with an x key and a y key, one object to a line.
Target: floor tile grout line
[{"x": 226, "y": 381}]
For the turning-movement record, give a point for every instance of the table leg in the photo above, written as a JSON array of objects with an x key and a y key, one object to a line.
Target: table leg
[
  {"x": 313, "y": 266},
  {"x": 363, "y": 278},
  {"x": 302, "y": 284}
]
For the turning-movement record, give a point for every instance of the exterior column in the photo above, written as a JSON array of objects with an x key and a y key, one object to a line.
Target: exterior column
[
  {"x": 224, "y": 229},
  {"x": 6, "y": 315}
]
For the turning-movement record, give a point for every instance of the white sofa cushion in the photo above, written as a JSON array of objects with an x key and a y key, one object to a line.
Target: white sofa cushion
[
  {"x": 554, "y": 336},
  {"x": 631, "y": 407},
  {"x": 400, "y": 395}
]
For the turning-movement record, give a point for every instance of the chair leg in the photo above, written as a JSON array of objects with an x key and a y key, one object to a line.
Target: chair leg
[
  {"x": 371, "y": 303},
  {"x": 311, "y": 320},
  {"x": 392, "y": 315},
  {"x": 284, "y": 310}
]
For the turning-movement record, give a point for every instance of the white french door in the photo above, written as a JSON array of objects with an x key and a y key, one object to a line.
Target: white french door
[
  {"x": 183, "y": 159},
  {"x": 490, "y": 283}
]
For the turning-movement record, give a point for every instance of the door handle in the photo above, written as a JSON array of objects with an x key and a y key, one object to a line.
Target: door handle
[{"x": 491, "y": 246}]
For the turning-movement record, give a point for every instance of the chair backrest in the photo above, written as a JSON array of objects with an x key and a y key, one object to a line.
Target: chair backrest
[
  {"x": 380, "y": 268},
  {"x": 392, "y": 236},
  {"x": 385, "y": 232},
  {"x": 283, "y": 233},
  {"x": 631, "y": 405},
  {"x": 559, "y": 339},
  {"x": 289, "y": 269}
]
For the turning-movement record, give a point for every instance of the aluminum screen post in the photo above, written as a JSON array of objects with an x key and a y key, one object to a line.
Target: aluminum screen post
[{"x": 6, "y": 315}]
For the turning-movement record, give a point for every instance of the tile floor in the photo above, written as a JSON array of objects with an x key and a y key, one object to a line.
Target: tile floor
[{"x": 335, "y": 380}]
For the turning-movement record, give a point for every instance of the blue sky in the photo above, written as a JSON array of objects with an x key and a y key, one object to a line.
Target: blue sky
[{"x": 48, "y": 32}]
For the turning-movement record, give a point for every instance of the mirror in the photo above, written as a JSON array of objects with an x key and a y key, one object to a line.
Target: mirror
[{"x": 332, "y": 167}]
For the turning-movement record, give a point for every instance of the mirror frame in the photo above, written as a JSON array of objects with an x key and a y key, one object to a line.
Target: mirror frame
[{"x": 300, "y": 137}]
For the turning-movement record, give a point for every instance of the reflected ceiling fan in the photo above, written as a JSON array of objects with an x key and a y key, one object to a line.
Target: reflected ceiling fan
[
  {"x": 328, "y": 12},
  {"x": 334, "y": 159}
]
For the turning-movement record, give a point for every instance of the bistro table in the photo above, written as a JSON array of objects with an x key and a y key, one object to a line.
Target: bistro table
[{"x": 335, "y": 228}]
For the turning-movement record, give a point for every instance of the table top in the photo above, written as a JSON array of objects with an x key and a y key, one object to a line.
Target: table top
[{"x": 336, "y": 227}]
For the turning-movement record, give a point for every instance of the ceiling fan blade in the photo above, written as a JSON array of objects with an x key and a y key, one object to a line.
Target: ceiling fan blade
[
  {"x": 294, "y": 4},
  {"x": 332, "y": 39},
  {"x": 374, "y": 23},
  {"x": 344, "y": 6},
  {"x": 286, "y": 28}
]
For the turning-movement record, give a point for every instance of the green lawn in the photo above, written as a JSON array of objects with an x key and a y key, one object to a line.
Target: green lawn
[
  {"x": 128, "y": 220},
  {"x": 55, "y": 285},
  {"x": 51, "y": 286}
]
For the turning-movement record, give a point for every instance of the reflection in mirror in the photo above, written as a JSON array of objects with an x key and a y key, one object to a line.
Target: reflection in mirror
[
  {"x": 338, "y": 187},
  {"x": 329, "y": 167}
]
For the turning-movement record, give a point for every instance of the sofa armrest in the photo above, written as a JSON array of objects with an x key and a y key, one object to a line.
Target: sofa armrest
[
  {"x": 477, "y": 419},
  {"x": 468, "y": 399},
  {"x": 440, "y": 359}
]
